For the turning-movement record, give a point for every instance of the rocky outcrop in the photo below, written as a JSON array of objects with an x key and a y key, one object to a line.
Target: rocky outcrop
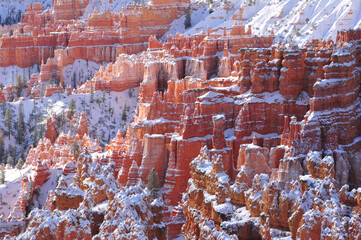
[
  {"x": 282, "y": 125},
  {"x": 67, "y": 197},
  {"x": 51, "y": 129}
]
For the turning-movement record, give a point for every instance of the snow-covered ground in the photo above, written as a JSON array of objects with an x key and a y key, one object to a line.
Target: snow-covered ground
[
  {"x": 8, "y": 74},
  {"x": 10, "y": 10},
  {"x": 9, "y": 192},
  {"x": 108, "y": 113},
  {"x": 102, "y": 5},
  {"x": 294, "y": 21},
  {"x": 80, "y": 71}
]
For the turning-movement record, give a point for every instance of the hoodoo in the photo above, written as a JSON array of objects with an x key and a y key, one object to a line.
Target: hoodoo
[{"x": 180, "y": 120}]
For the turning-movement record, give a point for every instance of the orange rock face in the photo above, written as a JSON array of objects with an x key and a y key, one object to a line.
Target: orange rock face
[
  {"x": 258, "y": 139},
  {"x": 51, "y": 129}
]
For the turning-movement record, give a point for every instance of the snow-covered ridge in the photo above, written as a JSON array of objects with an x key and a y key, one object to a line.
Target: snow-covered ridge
[
  {"x": 294, "y": 21},
  {"x": 11, "y": 11}
]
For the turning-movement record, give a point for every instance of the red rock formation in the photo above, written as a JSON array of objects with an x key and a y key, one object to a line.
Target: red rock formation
[
  {"x": 51, "y": 129},
  {"x": 67, "y": 10},
  {"x": 67, "y": 197},
  {"x": 283, "y": 129},
  {"x": 83, "y": 126},
  {"x": 40, "y": 175},
  {"x": 133, "y": 177}
]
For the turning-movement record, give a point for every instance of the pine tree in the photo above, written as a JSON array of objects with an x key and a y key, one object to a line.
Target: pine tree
[
  {"x": 12, "y": 152},
  {"x": 24, "y": 82},
  {"x": 20, "y": 164},
  {"x": 153, "y": 183},
  {"x": 2, "y": 176},
  {"x": 21, "y": 124},
  {"x": 8, "y": 120},
  {"x": 75, "y": 149},
  {"x": 10, "y": 161},
  {"x": 63, "y": 119},
  {"x": 91, "y": 92},
  {"x": 103, "y": 97},
  {"x": 35, "y": 140},
  {"x": 72, "y": 106},
  {"x": 124, "y": 113},
  {"x": 19, "y": 86},
  {"x": 110, "y": 107},
  {"x": 41, "y": 131},
  {"x": 2, "y": 150},
  {"x": 74, "y": 80},
  {"x": 187, "y": 21},
  {"x": 6, "y": 154}
]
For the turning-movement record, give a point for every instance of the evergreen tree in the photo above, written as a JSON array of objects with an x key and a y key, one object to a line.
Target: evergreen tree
[
  {"x": 41, "y": 131},
  {"x": 75, "y": 149},
  {"x": 74, "y": 80},
  {"x": 72, "y": 106},
  {"x": 10, "y": 161},
  {"x": 91, "y": 92},
  {"x": 20, "y": 164},
  {"x": 19, "y": 86},
  {"x": 8, "y": 120},
  {"x": 35, "y": 140},
  {"x": 21, "y": 124},
  {"x": 5, "y": 156},
  {"x": 24, "y": 82},
  {"x": 2, "y": 150},
  {"x": 63, "y": 121},
  {"x": 187, "y": 21},
  {"x": 103, "y": 97},
  {"x": 2, "y": 176},
  {"x": 153, "y": 183},
  {"x": 110, "y": 107},
  {"x": 124, "y": 113},
  {"x": 12, "y": 152}
]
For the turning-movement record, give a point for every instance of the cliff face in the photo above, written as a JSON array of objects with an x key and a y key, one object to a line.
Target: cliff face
[
  {"x": 263, "y": 119},
  {"x": 55, "y": 39},
  {"x": 249, "y": 140},
  {"x": 293, "y": 183}
]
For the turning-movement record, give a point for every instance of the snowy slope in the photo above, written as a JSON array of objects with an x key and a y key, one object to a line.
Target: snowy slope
[
  {"x": 9, "y": 10},
  {"x": 104, "y": 115},
  {"x": 9, "y": 192},
  {"x": 291, "y": 20},
  {"x": 102, "y": 5}
]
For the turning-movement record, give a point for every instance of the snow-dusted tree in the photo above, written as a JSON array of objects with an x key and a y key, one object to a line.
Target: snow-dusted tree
[
  {"x": 187, "y": 21},
  {"x": 124, "y": 113},
  {"x": 10, "y": 161},
  {"x": 24, "y": 81},
  {"x": 63, "y": 121},
  {"x": 91, "y": 92},
  {"x": 21, "y": 125},
  {"x": 19, "y": 85},
  {"x": 153, "y": 183},
  {"x": 2, "y": 149},
  {"x": 2, "y": 176},
  {"x": 20, "y": 164},
  {"x": 8, "y": 120},
  {"x": 75, "y": 149},
  {"x": 72, "y": 106},
  {"x": 103, "y": 96},
  {"x": 35, "y": 136},
  {"x": 73, "y": 80},
  {"x": 41, "y": 131}
]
